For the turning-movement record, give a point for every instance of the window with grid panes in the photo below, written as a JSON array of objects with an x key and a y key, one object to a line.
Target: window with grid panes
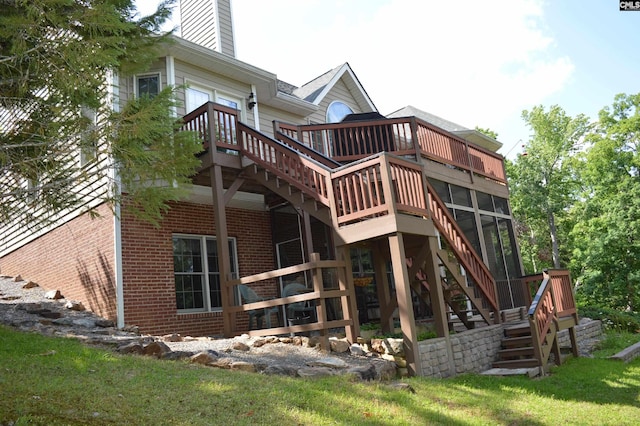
[{"x": 197, "y": 272}]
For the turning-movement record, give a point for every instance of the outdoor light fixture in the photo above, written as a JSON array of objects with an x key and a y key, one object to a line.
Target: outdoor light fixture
[{"x": 251, "y": 101}]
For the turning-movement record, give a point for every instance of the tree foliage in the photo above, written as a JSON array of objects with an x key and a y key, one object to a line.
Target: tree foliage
[
  {"x": 61, "y": 127},
  {"x": 606, "y": 236},
  {"x": 543, "y": 183}
]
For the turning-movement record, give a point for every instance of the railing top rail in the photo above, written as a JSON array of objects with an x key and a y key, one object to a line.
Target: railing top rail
[
  {"x": 270, "y": 141},
  {"x": 329, "y": 162},
  {"x": 349, "y": 124},
  {"x": 203, "y": 108},
  {"x": 544, "y": 288}
]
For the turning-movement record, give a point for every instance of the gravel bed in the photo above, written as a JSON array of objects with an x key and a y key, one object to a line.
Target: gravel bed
[{"x": 13, "y": 295}]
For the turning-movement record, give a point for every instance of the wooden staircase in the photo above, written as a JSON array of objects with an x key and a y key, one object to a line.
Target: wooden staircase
[{"x": 517, "y": 348}]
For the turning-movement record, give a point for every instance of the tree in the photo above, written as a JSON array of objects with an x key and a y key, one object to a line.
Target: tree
[
  {"x": 606, "y": 255},
  {"x": 487, "y": 132},
  {"x": 542, "y": 182},
  {"x": 58, "y": 127}
]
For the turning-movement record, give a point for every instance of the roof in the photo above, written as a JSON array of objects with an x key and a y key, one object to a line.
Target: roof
[
  {"x": 470, "y": 135},
  {"x": 315, "y": 90}
]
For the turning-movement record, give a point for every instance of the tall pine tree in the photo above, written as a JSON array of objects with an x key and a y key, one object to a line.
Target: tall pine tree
[{"x": 58, "y": 125}]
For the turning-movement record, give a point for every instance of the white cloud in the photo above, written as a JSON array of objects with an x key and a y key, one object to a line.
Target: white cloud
[{"x": 475, "y": 63}]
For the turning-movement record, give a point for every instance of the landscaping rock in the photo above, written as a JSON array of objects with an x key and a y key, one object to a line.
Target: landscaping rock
[
  {"x": 53, "y": 294},
  {"x": 176, "y": 355},
  {"x": 363, "y": 373},
  {"x": 104, "y": 323},
  {"x": 74, "y": 306},
  {"x": 311, "y": 372},
  {"x": 356, "y": 349},
  {"x": 328, "y": 362},
  {"x": 204, "y": 358},
  {"x": 131, "y": 348},
  {"x": 239, "y": 346},
  {"x": 156, "y": 349},
  {"x": 339, "y": 346},
  {"x": 280, "y": 370},
  {"x": 172, "y": 338}
]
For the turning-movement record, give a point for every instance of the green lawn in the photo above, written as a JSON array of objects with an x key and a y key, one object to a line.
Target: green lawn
[{"x": 57, "y": 381}]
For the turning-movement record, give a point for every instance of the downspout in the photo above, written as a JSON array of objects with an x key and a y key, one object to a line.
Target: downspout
[{"x": 117, "y": 224}]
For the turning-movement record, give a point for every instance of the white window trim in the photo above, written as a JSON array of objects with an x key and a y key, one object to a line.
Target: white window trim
[
  {"x": 205, "y": 270},
  {"x": 215, "y": 94},
  {"x": 137, "y": 76}
]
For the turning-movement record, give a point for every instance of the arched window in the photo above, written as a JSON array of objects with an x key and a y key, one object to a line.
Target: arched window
[{"x": 337, "y": 111}]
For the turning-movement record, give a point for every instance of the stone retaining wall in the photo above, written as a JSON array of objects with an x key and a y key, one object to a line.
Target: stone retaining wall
[
  {"x": 588, "y": 329},
  {"x": 475, "y": 350},
  {"x": 627, "y": 354}
]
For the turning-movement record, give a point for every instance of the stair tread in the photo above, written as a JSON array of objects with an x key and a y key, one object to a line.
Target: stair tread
[{"x": 516, "y": 363}]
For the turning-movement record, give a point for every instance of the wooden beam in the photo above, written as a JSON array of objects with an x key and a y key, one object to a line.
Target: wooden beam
[
  {"x": 405, "y": 305},
  {"x": 382, "y": 286},
  {"x": 438, "y": 304},
  {"x": 231, "y": 191},
  {"x": 349, "y": 306},
  {"x": 222, "y": 243}
]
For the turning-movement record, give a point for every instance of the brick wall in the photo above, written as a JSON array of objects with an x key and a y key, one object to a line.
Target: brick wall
[
  {"x": 76, "y": 258},
  {"x": 149, "y": 287}
]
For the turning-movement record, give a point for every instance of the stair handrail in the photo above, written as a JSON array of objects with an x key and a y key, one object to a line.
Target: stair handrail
[
  {"x": 463, "y": 250},
  {"x": 304, "y": 172},
  {"x": 542, "y": 314},
  {"x": 309, "y": 152}
]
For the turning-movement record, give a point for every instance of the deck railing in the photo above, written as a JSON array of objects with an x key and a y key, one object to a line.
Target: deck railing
[
  {"x": 541, "y": 319},
  {"x": 352, "y": 141},
  {"x": 381, "y": 184},
  {"x": 553, "y": 302},
  {"x": 320, "y": 295},
  {"x": 463, "y": 250}
]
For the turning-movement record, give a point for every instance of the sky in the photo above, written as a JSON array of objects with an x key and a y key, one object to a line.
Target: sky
[{"x": 476, "y": 63}]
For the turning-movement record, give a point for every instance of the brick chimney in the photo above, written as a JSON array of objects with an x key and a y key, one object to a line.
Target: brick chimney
[{"x": 208, "y": 23}]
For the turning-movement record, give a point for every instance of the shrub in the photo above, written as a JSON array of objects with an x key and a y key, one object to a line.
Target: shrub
[{"x": 612, "y": 319}]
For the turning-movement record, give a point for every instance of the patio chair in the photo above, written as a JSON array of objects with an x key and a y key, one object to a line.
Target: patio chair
[
  {"x": 249, "y": 296},
  {"x": 298, "y": 309}
]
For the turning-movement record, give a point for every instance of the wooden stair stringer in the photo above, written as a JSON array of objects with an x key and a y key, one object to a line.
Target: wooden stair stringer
[
  {"x": 454, "y": 270},
  {"x": 289, "y": 192}
]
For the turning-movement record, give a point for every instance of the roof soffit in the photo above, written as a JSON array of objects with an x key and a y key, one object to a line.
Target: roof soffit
[{"x": 266, "y": 83}]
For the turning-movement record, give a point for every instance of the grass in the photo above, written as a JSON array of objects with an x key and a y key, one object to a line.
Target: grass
[
  {"x": 614, "y": 342},
  {"x": 53, "y": 381}
]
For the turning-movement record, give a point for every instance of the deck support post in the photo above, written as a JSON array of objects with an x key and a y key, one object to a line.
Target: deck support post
[
  {"x": 405, "y": 305},
  {"x": 387, "y": 306},
  {"x": 438, "y": 303},
  {"x": 349, "y": 306},
  {"x": 222, "y": 243}
]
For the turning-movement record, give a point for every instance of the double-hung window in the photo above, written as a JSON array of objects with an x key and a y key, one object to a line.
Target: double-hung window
[
  {"x": 147, "y": 85},
  {"x": 197, "y": 273}
]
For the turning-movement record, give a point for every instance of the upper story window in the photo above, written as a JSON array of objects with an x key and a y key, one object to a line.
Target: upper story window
[
  {"x": 337, "y": 111},
  {"x": 147, "y": 85}
]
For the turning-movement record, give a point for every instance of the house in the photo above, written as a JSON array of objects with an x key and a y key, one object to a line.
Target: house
[{"x": 381, "y": 219}]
